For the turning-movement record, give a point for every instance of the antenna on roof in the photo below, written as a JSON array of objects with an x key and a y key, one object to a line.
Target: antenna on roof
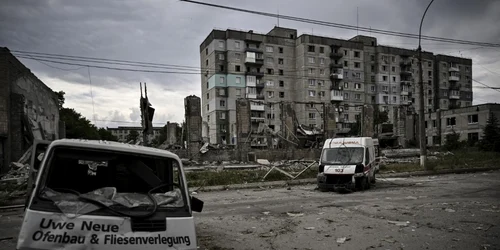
[
  {"x": 357, "y": 21},
  {"x": 278, "y": 17}
]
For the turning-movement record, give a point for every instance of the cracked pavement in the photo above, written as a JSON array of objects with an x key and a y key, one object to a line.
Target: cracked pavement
[{"x": 457, "y": 211}]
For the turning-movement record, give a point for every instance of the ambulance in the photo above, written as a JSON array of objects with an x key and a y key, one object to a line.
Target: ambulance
[
  {"x": 347, "y": 164},
  {"x": 107, "y": 195}
]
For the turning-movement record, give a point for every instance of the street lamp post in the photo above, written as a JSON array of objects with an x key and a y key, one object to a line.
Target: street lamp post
[{"x": 421, "y": 116}]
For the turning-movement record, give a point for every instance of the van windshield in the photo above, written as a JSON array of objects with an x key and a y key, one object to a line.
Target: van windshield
[
  {"x": 343, "y": 155},
  {"x": 80, "y": 181}
]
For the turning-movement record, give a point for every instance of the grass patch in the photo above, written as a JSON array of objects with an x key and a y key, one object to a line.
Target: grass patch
[
  {"x": 228, "y": 177},
  {"x": 469, "y": 158}
]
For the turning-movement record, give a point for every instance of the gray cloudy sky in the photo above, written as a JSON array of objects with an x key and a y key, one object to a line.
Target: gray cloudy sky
[{"x": 170, "y": 32}]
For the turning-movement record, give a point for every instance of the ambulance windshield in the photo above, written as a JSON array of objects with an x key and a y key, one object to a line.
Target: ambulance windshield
[{"x": 343, "y": 155}]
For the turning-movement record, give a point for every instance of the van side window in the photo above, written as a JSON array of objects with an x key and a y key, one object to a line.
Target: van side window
[{"x": 367, "y": 156}]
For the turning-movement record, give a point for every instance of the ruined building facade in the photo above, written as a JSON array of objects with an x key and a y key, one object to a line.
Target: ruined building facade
[
  {"x": 28, "y": 110},
  {"x": 282, "y": 67}
]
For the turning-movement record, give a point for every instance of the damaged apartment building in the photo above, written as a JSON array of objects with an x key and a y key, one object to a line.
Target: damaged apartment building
[
  {"x": 313, "y": 73},
  {"x": 28, "y": 110}
]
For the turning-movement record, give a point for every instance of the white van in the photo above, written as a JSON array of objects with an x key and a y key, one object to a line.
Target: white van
[
  {"x": 347, "y": 163},
  {"x": 107, "y": 195}
]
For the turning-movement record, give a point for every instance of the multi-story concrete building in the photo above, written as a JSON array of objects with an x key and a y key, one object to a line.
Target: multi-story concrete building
[
  {"x": 279, "y": 67},
  {"x": 121, "y": 132},
  {"x": 468, "y": 122}
]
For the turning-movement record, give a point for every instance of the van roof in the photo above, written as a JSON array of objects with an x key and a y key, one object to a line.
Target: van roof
[
  {"x": 113, "y": 146},
  {"x": 348, "y": 142}
]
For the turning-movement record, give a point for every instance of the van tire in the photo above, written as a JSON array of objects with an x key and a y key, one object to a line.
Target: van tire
[
  {"x": 360, "y": 184},
  {"x": 367, "y": 183},
  {"x": 374, "y": 179}
]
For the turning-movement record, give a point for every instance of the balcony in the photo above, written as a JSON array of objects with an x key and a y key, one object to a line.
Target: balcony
[
  {"x": 336, "y": 55},
  {"x": 260, "y": 97},
  {"x": 454, "y": 78},
  {"x": 406, "y": 72},
  {"x": 454, "y": 96},
  {"x": 255, "y": 50},
  {"x": 404, "y": 92},
  {"x": 454, "y": 86},
  {"x": 251, "y": 96},
  {"x": 336, "y": 65},
  {"x": 254, "y": 62},
  {"x": 253, "y": 73},
  {"x": 336, "y": 95},
  {"x": 337, "y": 74},
  {"x": 257, "y": 119},
  {"x": 453, "y": 69},
  {"x": 259, "y": 85},
  {"x": 405, "y": 63},
  {"x": 256, "y": 107},
  {"x": 408, "y": 83}
]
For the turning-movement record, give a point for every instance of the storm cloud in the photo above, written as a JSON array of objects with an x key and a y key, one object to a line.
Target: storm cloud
[{"x": 170, "y": 32}]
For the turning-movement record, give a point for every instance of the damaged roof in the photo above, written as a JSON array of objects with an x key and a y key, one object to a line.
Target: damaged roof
[{"x": 114, "y": 146}]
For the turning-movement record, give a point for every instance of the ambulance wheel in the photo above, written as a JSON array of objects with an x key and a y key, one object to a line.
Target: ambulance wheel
[
  {"x": 374, "y": 180},
  {"x": 367, "y": 183}
]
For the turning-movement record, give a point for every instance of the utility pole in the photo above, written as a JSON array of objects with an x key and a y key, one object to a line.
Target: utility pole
[{"x": 421, "y": 116}]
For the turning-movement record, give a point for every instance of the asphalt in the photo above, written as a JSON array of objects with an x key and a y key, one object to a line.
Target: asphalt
[{"x": 454, "y": 211}]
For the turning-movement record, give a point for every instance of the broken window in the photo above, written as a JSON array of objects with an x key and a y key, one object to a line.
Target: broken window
[
  {"x": 118, "y": 181},
  {"x": 473, "y": 118},
  {"x": 451, "y": 121}
]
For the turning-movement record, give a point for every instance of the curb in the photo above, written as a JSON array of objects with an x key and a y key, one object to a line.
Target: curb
[{"x": 277, "y": 184}]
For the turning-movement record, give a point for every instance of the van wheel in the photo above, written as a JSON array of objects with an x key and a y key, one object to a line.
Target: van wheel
[
  {"x": 361, "y": 184},
  {"x": 367, "y": 183},
  {"x": 374, "y": 180}
]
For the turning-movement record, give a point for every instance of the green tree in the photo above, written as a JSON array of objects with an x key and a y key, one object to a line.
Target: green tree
[
  {"x": 60, "y": 98},
  {"x": 79, "y": 127},
  {"x": 133, "y": 136},
  {"x": 106, "y": 135},
  {"x": 491, "y": 135},
  {"x": 452, "y": 141}
]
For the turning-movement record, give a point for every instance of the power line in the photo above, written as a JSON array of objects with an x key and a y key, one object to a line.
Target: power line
[
  {"x": 349, "y": 27},
  {"x": 485, "y": 85}
]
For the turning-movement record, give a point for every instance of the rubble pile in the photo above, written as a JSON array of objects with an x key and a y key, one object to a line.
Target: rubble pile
[{"x": 14, "y": 183}]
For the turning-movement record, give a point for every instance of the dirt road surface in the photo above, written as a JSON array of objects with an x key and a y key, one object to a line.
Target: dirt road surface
[{"x": 436, "y": 212}]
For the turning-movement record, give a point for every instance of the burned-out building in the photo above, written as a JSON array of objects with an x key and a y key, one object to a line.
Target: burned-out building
[
  {"x": 28, "y": 109},
  {"x": 282, "y": 66}
]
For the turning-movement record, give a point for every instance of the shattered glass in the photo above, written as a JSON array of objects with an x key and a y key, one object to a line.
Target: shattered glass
[{"x": 72, "y": 206}]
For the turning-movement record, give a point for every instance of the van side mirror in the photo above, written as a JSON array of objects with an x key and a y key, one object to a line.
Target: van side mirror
[{"x": 196, "y": 204}]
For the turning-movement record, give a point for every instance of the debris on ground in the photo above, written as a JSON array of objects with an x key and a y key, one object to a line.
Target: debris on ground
[
  {"x": 309, "y": 228},
  {"x": 399, "y": 223},
  {"x": 449, "y": 210},
  {"x": 263, "y": 162},
  {"x": 343, "y": 239},
  {"x": 294, "y": 214},
  {"x": 266, "y": 213}
]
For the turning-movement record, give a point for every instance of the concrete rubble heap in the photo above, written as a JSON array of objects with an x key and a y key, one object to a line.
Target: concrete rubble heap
[{"x": 13, "y": 184}]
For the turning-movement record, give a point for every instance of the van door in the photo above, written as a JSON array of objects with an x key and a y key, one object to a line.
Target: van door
[{"x": 37, "y": 154}]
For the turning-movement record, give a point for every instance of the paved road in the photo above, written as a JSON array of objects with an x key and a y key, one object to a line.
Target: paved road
[{"x": 438, "y": 212}]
